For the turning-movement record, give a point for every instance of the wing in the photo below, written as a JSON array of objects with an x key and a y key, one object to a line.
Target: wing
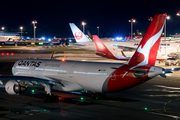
[
  {"x": 25, "y": 78},
  {"x": 47, "y": 82},
  {"x": 127, "y": 48}
]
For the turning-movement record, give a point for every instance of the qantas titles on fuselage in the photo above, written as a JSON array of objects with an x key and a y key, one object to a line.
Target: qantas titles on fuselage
[
  {"x": 29, "y": 63},
  {"x": 36, "y": 64}
]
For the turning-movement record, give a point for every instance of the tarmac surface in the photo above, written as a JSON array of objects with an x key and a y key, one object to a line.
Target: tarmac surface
[{"x": 156, "y": 99}]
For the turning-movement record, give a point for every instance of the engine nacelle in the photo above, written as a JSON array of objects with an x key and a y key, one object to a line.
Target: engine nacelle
[
  {"x": 13, "y": 88},
  {"x": 155, "y": 71}
]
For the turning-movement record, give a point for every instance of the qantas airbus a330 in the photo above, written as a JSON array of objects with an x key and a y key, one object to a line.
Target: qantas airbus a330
[{"x": 92, "y": 76}]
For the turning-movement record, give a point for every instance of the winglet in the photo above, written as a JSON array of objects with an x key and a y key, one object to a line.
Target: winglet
[
  {"x": 146, "y": 52},
  {"x": 123, "y": 54},
  {"x": 78, "y": 34}
]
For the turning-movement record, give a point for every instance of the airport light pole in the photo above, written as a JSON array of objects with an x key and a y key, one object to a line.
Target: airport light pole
[
  {"x": 34, "y": 22},
  {"x": 98, "y": 30},
  {"x": 150, "y": 19},
  {"x": 3, "y": 30},
  {"x": 178, "y": 14},
  {"x": 83, "y": 24},
  {"x": 167, "y": 18},
  {"x": 132, "y": 21},
  {"x": 21, "y": 28}
]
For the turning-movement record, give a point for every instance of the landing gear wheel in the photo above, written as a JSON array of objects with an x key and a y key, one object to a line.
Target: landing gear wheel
[
  {"x": 98, "y": 96},
  {"x": 95, "y": 96}
]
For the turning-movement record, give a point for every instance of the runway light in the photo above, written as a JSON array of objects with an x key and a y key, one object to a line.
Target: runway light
[
  {"x": 81, "y": 99},
  {"x": 12, "y": 53},
  {"x": 40, "y": 43},
  {"x": 63, "y": 60},
  {"x": 119, "y": 38},
  {"x": 43, "y": 110},
  {"x": 32, "y": 91},
  {"x": 7, "y": 53},
  {"x": 43, "y": 38},
  {"x": 2, "y": 53},
  {"x": 145, "y": 108},
  {"x": 59, "y": 98}
]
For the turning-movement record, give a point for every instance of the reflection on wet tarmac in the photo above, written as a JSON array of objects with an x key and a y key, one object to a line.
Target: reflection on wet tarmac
[{"x": 167, "y": 91}]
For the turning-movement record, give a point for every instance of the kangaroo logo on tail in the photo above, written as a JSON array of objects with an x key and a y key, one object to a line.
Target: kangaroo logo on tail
[{"x": 147, "y": 50}]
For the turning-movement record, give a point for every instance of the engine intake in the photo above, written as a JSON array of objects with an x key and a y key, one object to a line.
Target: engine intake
[{"x": 13, "y": 88}]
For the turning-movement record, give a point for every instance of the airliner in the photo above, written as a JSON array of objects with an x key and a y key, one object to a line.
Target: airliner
[
  {"x": 91, "y": 76},
  {"x": 82, "y": 41},
  {"x": 115, "y": 47},
  {"x": 9, "y": 38},
  {"x": 103, "y": 51}
]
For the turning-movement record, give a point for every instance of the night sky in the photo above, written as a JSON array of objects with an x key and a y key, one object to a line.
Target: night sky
[{"x": 112, "y": 16}]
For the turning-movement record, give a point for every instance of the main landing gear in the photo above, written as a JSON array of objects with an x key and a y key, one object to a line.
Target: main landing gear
[
  {"x": 49, "y": 97},
  {"x": 98, "y": 95}
]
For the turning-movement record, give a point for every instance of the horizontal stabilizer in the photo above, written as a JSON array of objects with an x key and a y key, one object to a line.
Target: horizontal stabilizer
[{"x": 131, "y": 70}]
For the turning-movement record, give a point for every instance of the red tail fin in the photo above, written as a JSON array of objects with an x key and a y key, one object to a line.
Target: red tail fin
[
  {"x": 103, "y": 50},
  {"x": 147, "y": 50}
]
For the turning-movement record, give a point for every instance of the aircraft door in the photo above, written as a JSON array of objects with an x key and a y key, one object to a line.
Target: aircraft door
[
  {"x": 113, "y": 76},
  {"x": 72, "y": 71}
]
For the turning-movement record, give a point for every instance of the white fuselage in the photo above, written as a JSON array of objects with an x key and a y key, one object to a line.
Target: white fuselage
[
  {"x": 78, "y": 75},
  {"x": 90, "y": 76}
]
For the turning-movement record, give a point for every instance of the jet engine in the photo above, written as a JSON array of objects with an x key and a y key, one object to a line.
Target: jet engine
[{"x": 13, "y": 88}]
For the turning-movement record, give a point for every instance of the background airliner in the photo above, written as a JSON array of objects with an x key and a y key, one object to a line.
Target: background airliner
[
  {"x": 115, "y": 47},
  {"x": 103, "y": 51},
  {"x": 97, "y": 77},
  {"x": 83, "y": 42}
]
